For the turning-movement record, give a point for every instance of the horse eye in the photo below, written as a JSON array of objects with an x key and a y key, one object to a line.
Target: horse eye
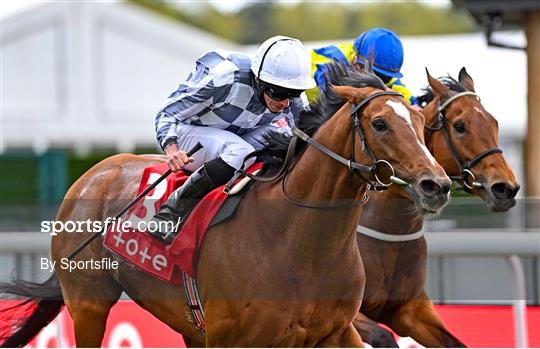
[
  {"x": 459, "y": 127},
  {"x": 379, "y": 125}
]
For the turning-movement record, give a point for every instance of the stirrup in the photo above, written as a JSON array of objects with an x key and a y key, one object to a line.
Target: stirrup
[{"x": 173, "y": 222}]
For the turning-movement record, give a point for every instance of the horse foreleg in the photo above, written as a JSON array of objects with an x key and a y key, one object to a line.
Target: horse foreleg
[
  {"x": 419, "y": 320},
  {"x": 348, "y": 338},
  {"x": 372, "y": 333}
]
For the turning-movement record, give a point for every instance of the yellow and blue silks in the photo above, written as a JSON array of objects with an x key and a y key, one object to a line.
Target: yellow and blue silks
[{"x": 343, "y": 53}]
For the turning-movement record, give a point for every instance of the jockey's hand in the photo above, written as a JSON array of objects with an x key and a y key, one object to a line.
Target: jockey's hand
[{"x": 176, "y": 158}]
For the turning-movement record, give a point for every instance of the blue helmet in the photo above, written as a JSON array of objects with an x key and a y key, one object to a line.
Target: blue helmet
[{"x": 387, "y": 47}]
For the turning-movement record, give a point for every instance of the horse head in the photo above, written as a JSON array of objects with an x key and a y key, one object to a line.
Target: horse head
[
  {"x": 463, "y": 137},
  {"x": 391, "y": 136}
]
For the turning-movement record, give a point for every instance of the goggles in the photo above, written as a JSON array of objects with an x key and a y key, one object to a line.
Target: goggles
[{"x": 279, "y": 93}]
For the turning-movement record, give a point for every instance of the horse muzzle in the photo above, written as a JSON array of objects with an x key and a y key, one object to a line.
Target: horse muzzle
[
  {"x": 501, "y": 196},
  {"x": 433, "y": 194}
]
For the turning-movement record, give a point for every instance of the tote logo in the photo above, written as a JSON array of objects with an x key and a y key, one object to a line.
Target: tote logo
[{"x": 138, "y": 252}]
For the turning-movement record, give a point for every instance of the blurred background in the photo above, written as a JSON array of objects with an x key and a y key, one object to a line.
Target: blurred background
[{"x": 83, "y": 80}]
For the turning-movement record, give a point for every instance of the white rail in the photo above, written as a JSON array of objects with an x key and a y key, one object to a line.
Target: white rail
[
  {"x": 450, "y": 243},
  {"x": 476, "y": 243},
  {"x": 22, "y": 241}
]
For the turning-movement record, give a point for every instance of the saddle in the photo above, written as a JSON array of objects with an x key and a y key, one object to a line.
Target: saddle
[{"x": 130, "y": 240}]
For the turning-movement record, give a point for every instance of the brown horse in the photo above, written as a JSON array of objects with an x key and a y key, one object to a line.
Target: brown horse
[
  {"x": 396, "y": 271},
  {"x": 285, "y": 270}
]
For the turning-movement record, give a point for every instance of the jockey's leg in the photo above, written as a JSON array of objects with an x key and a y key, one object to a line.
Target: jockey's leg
[
  {"x": 216, "y": 143},
  {"x": 225, "y": 152},
  {"x": 183, "y": 199}
]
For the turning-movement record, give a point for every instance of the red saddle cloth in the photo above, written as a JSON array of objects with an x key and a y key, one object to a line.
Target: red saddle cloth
[{"x": 128, "y": 238}]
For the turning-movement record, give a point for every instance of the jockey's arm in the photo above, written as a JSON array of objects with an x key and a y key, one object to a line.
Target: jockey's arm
[
  {"x": 180, "y": 107},
  {"x": 279, "y": 131},
  {"x": 166, "y": 137}
]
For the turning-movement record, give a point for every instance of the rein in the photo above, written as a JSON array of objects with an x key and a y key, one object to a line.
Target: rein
[
  {"x": 467, "y": 177},
  {"x": 351, "y": 164}
]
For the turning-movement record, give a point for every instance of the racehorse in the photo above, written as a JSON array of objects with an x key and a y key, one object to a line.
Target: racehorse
[
  {"x": 463, "y": 137},
  {"x": 285, "y": 270}
]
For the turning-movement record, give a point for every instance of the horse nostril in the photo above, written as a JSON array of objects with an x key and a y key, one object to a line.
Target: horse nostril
[
  {"x": 504, "y": 191},
  {"x": 430, "y": 187},
  {"x": 446, "y": 186},
  {"x": 515, "y": 191}
]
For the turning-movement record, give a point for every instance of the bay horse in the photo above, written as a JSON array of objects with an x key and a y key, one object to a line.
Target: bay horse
[
  {"x": 286, "y": 269},
  {"x": 459, "y": 131}
]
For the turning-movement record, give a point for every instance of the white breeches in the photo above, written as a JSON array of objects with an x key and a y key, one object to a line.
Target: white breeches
[{"x": 216, "y": 143}]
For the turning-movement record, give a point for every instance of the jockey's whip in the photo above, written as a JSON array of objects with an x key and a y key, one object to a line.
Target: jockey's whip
[{"x": 86, "y": 242}]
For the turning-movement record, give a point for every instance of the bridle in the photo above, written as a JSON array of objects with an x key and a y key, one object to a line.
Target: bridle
[
  {"x": 466, "y": 177},
  {"x": 355, "y": 167}
]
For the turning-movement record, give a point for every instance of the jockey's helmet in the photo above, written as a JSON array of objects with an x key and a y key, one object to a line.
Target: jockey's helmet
[
  {"x": 284, "y": 64},
  {"x": 387, "y": 51}
]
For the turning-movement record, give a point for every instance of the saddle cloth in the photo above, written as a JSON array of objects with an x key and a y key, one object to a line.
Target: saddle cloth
[{"x": 128, "y": 237}]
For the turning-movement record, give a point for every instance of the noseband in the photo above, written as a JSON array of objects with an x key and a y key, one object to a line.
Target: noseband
[{"x": 467, "y": 177}]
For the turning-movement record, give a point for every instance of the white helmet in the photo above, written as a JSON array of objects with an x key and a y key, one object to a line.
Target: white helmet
[{"x": 284, "y": 62}]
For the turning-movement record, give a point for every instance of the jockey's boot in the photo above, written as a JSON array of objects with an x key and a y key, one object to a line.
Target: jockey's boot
[{"x": 175, "y": 210}]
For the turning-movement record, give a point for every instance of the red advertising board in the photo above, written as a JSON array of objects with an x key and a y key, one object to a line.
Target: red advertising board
[{"x": 131, "y": 326}]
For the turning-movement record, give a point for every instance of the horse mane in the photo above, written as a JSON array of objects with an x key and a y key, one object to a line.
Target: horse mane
[
  {"x": 328, "y": 103},
  {"x": 427, "y": 94}
]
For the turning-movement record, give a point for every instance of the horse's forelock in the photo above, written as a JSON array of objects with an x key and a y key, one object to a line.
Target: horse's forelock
[
  {"x": 427, "y": 94},
  {"x": 329, "y": 102}
]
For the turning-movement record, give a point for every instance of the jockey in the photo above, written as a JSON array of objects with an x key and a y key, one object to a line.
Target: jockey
[
  {"x": 388, "y": 59},
  {"x": 228, "y": 103}
]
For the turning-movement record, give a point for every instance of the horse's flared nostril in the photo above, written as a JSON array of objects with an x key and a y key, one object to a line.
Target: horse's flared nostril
[
  {"x": 430, "y": 187},
  {"x": 504, "y": 190},
  {"x": 446, "y": 185},
  {"x": 516, "y": 190}
]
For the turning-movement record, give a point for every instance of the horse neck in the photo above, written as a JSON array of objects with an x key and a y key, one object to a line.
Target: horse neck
[
  {"x": 391, "y": 212},
  {"x": 318, "y": 179}
]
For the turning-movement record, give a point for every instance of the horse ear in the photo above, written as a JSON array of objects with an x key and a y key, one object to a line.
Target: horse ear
[
  {"x": 466, "y": 80},
  {"x": 438, "y": 87},
  {"x": 346, "y": 92},
  {"x": 368, "y": 62}
]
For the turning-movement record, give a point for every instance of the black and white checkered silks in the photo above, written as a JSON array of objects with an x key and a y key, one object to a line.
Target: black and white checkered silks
[{"x": 219, "y": 105}]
